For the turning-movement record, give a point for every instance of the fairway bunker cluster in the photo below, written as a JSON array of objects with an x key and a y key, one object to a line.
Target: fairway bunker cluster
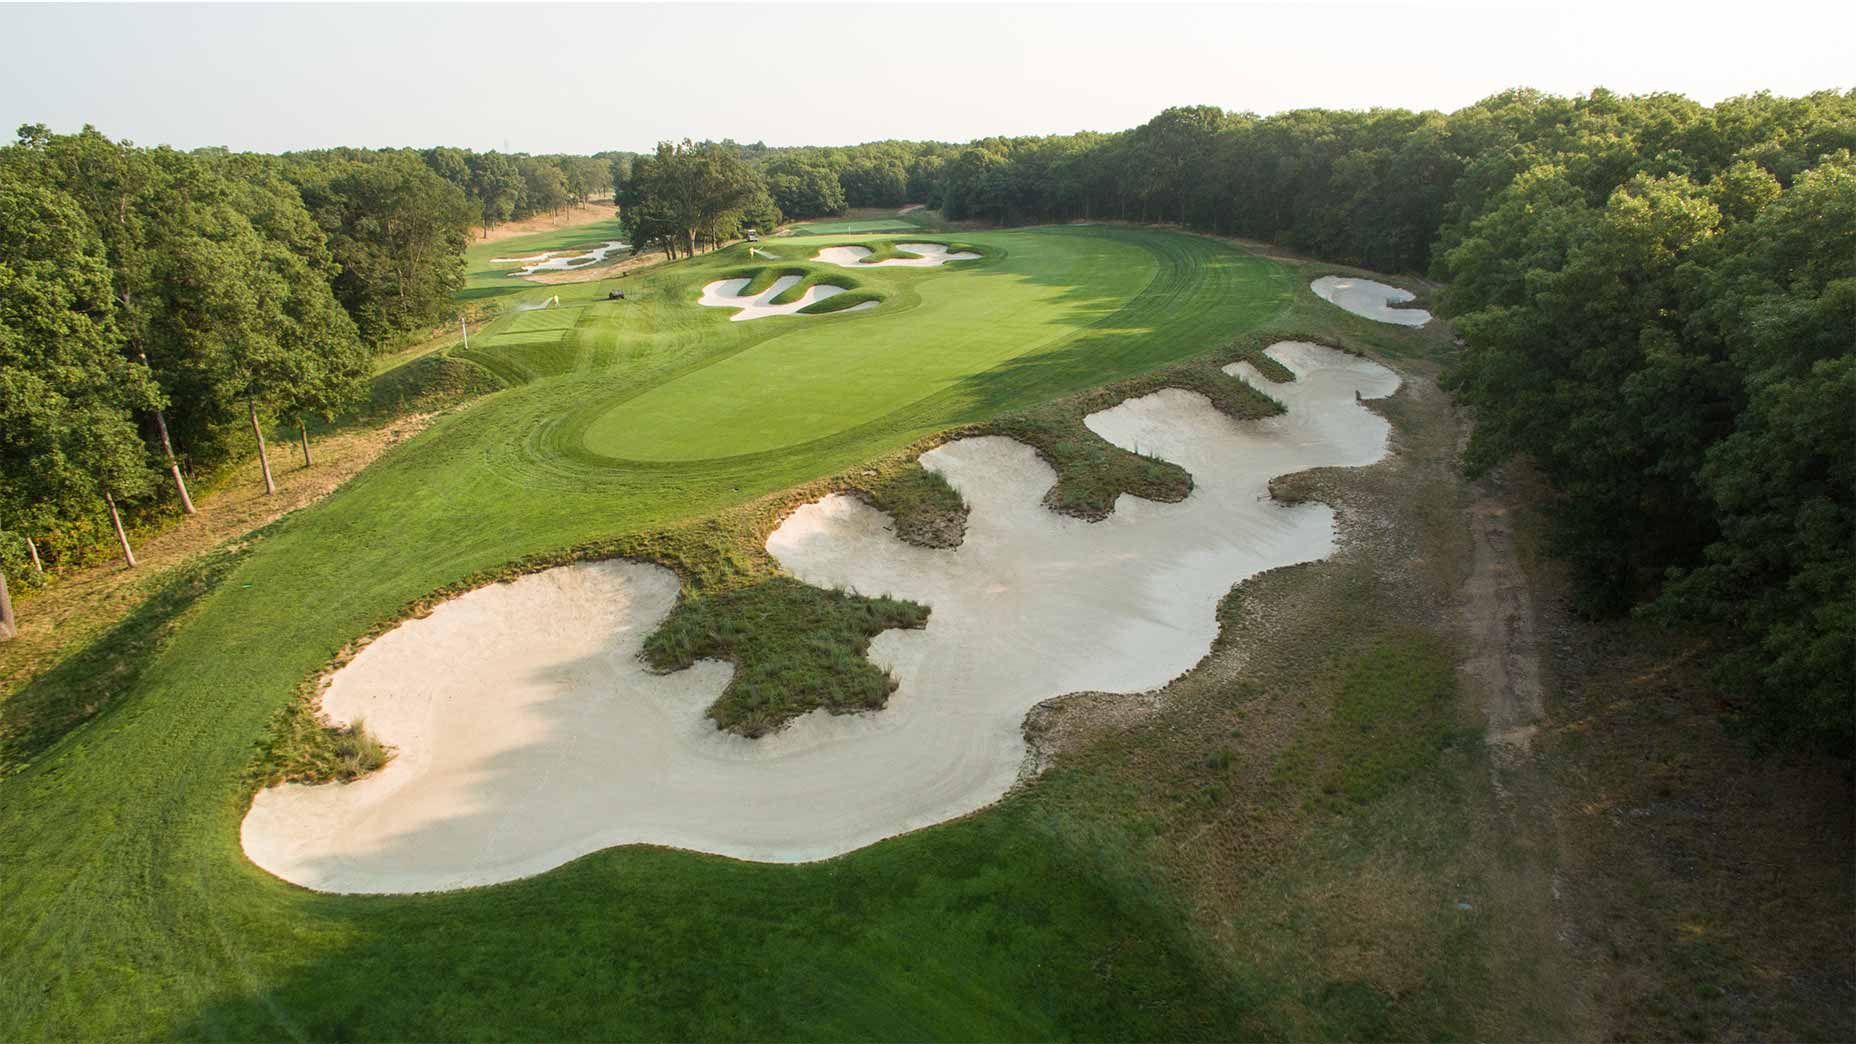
[
  {"x": 927, "y": 255},
  {"x": 529, "y": 731},
  {"x": 560, "y": 261},
  {"x": 727, "y": 293}
]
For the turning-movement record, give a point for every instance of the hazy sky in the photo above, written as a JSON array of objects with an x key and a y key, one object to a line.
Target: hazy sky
[{"x": 579, "y": 78}]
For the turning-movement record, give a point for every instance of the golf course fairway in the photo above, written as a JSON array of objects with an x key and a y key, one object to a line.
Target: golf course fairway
[{"x": 128, "y": 909}]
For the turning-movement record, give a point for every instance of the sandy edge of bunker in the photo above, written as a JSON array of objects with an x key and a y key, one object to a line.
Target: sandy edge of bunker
[
  {"x": 1370, "y": 299},
  {"x": 577, "y": 748}
]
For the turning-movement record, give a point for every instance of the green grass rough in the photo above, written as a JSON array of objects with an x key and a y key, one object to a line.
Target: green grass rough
[{"x": 658, "y": 429}]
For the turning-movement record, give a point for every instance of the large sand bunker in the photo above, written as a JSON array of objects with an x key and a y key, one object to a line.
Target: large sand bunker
[
  {"x": 529, "y": 733},
  {"x": 1373, "y": 300},
  {"x": 726, "y": 293},
  {"x": 928, "y": 255},
  {"x": 555, "y": 261}
]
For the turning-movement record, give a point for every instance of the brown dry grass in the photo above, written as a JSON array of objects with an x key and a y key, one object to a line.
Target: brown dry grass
[
  {"x": 83, "y": 603},
  {"x": 569, "y": 217},
  {"x": 1344, "y": 913},
  {"x": 1632, "y": 873},
  {"x": 1705, "y": 891}
]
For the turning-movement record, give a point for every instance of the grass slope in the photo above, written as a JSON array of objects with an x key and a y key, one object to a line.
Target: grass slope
[
  {"x": 485, "y": 279},
  {"x": 1045, "y": 313},
  {"x": 126, "y": 908},
  {"x": 897, "y": 223}
]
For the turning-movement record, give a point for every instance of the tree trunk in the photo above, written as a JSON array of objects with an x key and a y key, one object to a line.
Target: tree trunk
[
  {"x": 33, "y": 549},
  {"x": 8, "y": 626},
  {"x": 304, "y": 432},
  {"x": 128, "y": 556},
  {"x": 264, "y": 459},
  {"x": 167, "y": 449}
]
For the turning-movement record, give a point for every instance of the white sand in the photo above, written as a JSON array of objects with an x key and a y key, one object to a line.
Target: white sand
[
  {"x": 931, "y": 254},
  {"x": 726, "y": 293},
  {"x": 557, "y": 262},
  {"x": 1371, "y": 299},
  {"x": 529, "y": 734}
]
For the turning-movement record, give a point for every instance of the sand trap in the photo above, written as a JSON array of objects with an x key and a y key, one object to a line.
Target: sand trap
[
  {"x": 1367, "y": 298},
  {"x": 529, "y": 734},
  {"x": 726, "y": 293},
  {"x": 553, "y": 261},
  {"x": 532, "y": 306},
  {"x": 912, "y": 208},
  {"x": 931, "y": 254}
]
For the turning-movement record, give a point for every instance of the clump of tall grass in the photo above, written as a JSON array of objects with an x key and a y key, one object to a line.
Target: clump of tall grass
[{"x": 304, "y": 747}]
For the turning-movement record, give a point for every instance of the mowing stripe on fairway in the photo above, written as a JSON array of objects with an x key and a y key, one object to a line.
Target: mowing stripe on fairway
[{"x": 1045, "y": 294}]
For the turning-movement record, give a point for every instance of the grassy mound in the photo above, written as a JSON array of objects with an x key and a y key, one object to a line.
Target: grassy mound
[
  {"x": 794, "y": 648},
  {"x": 891, "y": 249},
  {"x": 839, "y": 302}
]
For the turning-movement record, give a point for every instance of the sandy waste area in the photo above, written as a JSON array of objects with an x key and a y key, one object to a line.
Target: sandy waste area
[
  {"x": 931, "y": 254},
  {"x": 554, "y": 261},
  {"x": 529, "y": 733},
  {"x": 1373, "y": 300},
  {"x": 726, "y": 293}
]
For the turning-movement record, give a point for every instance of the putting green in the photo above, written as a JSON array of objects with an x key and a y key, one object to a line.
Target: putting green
[
  {"x": 845, "y": 228},
  {"x": 812, "y": 380},
  {"x": 1036, "y": 294}
]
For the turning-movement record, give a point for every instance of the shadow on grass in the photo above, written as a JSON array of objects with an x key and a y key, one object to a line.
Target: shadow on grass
[
  {"x": 86, "y": 683},
  {"x": 1001, "y": 926}
]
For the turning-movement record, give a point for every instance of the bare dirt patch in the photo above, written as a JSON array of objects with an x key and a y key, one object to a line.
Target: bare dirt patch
[{"x": 590, "y": 212}]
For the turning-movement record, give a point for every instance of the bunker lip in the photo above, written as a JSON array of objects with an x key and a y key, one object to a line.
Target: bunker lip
[
  {"x": 928, "y": 255},
  {"x": 526, "y": 744},
  {"x": 726, "y": 293},
  {"x": 1369, "y": 299}
]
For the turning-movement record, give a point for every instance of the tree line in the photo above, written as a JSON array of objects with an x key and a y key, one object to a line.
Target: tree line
[
  {"x": 1657, "y": 300},
  {"x": 503, "y": 187},
  {"x": 160, "y": 310},
  {"x": 686, "y": 193}
]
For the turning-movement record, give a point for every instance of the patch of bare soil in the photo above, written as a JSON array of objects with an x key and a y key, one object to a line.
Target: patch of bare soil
[{"x": 573, "y": 216}]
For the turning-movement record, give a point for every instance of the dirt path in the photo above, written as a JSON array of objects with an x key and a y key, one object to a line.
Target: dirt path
[
  {"x": 1498, "y": 615},
  {"x": 1536, "y": 988}
]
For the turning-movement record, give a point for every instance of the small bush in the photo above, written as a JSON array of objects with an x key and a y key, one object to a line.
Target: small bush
[
  {"x": 304, "y": 748},
  {"x": 795, "y": 648}
]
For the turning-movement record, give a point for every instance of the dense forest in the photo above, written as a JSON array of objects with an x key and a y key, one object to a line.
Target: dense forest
[
  {"x": 160, "y": 309},
  {"x": 1656, "y": 298}
]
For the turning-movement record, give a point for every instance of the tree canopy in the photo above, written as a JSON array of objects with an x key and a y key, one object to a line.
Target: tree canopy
[{"x": 1657, "y": 300}]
